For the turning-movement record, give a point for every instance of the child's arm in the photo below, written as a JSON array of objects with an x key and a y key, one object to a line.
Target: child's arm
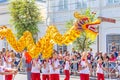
[
  {"x": 88, "y": 64},
  {"x": 39, "y": 66},
  {"x": 105, "y": 69},
  {"x": 7, "y": 73},
  {"x": 81, "y": 68},
  {"x": 11, "y": 70}
]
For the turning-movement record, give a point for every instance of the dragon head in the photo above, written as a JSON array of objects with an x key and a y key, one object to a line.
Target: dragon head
[{"x": 85, "y": 23}]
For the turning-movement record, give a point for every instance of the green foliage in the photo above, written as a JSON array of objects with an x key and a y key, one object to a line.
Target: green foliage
[
  {"x": 69, "y": 24},
  {"x": 25, "y": 16},
  {"x": 82, "y": 43},
  {"x": 92, "y": 15}
]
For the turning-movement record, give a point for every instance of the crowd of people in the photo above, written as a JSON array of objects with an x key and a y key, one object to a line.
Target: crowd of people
[
  {"x": 84, "y": 64},
  {"x": 7, "y": 70}
]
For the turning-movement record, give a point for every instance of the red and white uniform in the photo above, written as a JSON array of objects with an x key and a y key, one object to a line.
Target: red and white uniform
[
  {"x": 9, "y": 60},
  {"x": 99, "y": 72},
  {"x": 54, "y": 73},
  {"x": 84, "y": 73},
  {"x": 66, "y": 70},
  {"x": 35, "y": 71},
  {"x": 4, "y": 61},
  {"x": 45, "y": 72},
  {"x": 8, "y": 66},
  {"x": 2, "y": 77}
]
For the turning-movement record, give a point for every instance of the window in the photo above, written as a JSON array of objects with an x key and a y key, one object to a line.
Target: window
[
  {"x": 113, "y": 2},
  {"x": 61, "y": 48},
  {"x": 110, "y": 39},
  {"x": 110, "y": 1},
  {"x": 116, "y": 1},
  {"x": 78, "y": 5},
  {"x": 39, "y": 0},
  {"x": 63, "y": 4},
  {"x": 81, "y": 4}
]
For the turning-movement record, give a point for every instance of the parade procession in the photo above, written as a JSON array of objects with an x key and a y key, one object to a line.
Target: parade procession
[{"x": 76, "y": 49}]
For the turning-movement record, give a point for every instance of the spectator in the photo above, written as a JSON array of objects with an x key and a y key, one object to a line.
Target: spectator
[
  {"x": 17, "y": 60},
  {"x": 75, "y": 65},
  {"x": 115, "y": 53},
  {"x": 100, "y": 56},
  {"x": 112, "y": 64},
  {"x": 89, "y": 56},
  {"x": 118, "y": 62},
  {"x": 113, "y": 46},
  {"x": 106, "y": 63},
  {"x": 73, "y": 51}
]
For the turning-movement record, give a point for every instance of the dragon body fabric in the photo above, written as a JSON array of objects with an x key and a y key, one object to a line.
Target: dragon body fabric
[{"x": 52, "y": 36}]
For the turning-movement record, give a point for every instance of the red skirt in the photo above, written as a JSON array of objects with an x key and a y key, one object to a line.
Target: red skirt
[
  {"x": 67, "y": 75},
  {"x": 54, "y": 77},
  {"x": 84, "y": 76},
  {"x": 35, "y": 76},
  {"x": 45, "y": 77},
  {"x": 100, "y": 76},
  {"x": 8, "y": 77}
]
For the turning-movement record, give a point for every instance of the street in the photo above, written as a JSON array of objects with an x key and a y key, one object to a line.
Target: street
[{"x": 24, "y": 77}]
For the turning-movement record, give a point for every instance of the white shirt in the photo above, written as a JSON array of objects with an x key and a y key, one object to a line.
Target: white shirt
[
  {"x": 45, "y": 70},
  {"x": 99, "y": 69},
  {"x": 2, "y": 77},
  {"x": 56, "y": 65},
  {"x": 67, "y": 65},
  {"x": 35, "y": 69},
  {"x": 9, "y": 65},
  {"x": 4, "y": 61},
  {"x": 86, "y": 70}
]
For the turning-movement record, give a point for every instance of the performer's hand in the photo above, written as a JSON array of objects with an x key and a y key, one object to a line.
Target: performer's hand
[
  {"x": 12, "y": 72},
  {"x": 15, "y": 72}
]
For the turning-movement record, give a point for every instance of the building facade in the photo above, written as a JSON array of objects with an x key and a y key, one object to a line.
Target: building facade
[
  {"x": 5, "y": 19},
  {"x": 61, "y": 11}
]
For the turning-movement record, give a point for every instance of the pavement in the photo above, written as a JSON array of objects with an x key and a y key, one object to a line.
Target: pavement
[{"x": 23, "y": 76}]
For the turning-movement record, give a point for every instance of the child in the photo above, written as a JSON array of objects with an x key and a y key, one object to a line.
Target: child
[
  {"x": 54, "y": 67},
  {"x": 35, "y": 70},
  {"x": 100, "y": 68},
  {"x": 67, "y": 68},
  {"x": 3, "y": 73},
  {"x": 9, "y": 64},
  {"x": 45, "y": 70},
  {"x": 84, "y": 67}
]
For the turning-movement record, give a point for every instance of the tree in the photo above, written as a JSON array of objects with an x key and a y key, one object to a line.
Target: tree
[
  {"x": 25, "y": 16},
  {"x": 82, "y": 43}
]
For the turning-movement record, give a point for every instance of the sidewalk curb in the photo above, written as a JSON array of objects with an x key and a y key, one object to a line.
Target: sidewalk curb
[{"x": 93, "y": 78}]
